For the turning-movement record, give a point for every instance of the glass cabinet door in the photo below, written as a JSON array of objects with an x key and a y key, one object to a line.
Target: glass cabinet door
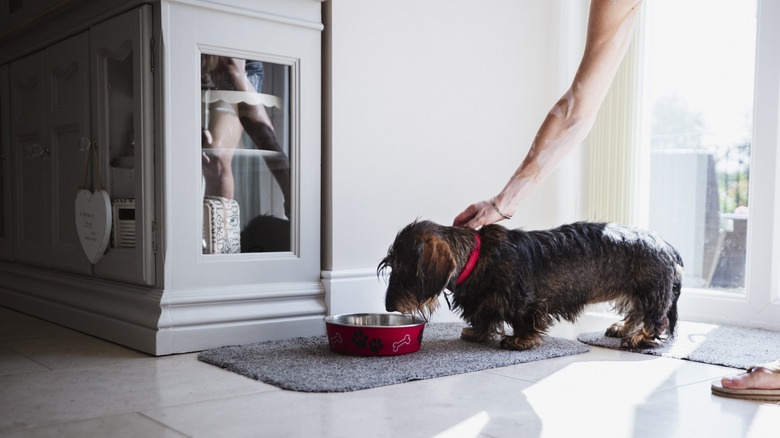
[
  {"x": 245, "y": 155},
  {"x": 123, "y": 114}
]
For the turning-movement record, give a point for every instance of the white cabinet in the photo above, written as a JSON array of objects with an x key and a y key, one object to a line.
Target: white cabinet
[
  {"x": 93, "y": 88},
  {"x": 152, "y": 87},
  {"x": 255, "y": 295}
]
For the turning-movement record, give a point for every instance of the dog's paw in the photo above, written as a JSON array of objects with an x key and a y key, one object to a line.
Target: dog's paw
[
  {"x": 617, "y": 330},
  {"x": 520, "y": 343},
  {"x": 641, "y": 340}
]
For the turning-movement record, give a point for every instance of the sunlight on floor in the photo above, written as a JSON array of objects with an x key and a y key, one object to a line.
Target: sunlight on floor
[
  {"x": 471, "y": 427},
  {"x": 572, "y": 377},
  {"x": 598, "y": 389},
  {"x": 764, "y": 422}
]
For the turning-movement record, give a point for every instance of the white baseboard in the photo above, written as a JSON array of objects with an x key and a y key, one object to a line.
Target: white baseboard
[
  {"x": 164, "y": 322},
  {"x": 208, "y": 318}
]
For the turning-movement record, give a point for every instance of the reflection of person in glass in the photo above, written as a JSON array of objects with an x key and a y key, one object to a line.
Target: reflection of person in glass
[{"x": 228, "y": 118}]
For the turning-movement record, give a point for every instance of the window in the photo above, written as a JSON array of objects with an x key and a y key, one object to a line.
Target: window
[
  {"x": 699, "y": 70},
  {"x": 687, "y": 144},
  {"x": 709, "y": 143}
]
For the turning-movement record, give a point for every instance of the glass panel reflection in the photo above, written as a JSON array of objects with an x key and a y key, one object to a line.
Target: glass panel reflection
[{"x": 245, "y": 154}]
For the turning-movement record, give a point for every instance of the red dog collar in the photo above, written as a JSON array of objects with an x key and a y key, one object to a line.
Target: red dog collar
[{"x": 472, "y": 260}]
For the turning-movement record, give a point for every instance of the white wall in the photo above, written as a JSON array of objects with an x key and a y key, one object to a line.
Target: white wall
[{"x": 430, "y": 106}]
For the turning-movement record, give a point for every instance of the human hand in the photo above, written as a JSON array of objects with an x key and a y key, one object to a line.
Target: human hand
[
  {"x": 205, "y": 138},
  {"x": 476, "y": 215}
]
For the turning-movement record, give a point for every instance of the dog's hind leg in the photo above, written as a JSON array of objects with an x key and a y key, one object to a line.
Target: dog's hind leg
[
  {"x": 617, "y": 330},
  {"x": 645, "y": 334},
  {"x": 641, "y": 339},
  {"x": 652, "y": 315}
]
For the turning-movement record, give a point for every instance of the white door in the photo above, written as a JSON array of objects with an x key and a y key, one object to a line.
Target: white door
[{"x": 711, "y": 102}]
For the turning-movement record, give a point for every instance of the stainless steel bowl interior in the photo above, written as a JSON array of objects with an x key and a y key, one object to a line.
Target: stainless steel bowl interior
[{"x": 374, "y": 320}]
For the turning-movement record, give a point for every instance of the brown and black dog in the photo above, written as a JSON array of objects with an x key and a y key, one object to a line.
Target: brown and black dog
[{"x": 530, "y": 279}]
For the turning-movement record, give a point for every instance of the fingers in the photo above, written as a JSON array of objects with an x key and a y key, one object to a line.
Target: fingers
[
  {"x": 477, "y": 215},
  {"x": 464, "y": 217}
]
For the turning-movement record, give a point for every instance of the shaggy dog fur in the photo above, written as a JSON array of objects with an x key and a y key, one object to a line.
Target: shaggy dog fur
[{"x": 530, "y": 279}]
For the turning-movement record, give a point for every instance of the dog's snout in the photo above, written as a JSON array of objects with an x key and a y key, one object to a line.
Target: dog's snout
[{"x": 390, "y": 305}]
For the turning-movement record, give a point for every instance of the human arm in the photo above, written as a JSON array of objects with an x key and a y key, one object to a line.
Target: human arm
[{"x": 610, "y": 25}]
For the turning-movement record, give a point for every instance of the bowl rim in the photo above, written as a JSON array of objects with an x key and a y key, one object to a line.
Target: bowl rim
[{"x": 413, "y": 321}]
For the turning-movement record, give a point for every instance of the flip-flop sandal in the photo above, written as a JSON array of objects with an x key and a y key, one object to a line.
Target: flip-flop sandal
[{"x": 750, "y": 394}]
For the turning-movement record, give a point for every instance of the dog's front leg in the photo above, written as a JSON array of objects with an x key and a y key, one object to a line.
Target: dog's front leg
[
  {"x": 473, "y": 335},
  {"x": 521, "y": 343},
  {"x": 526, "y": 334}
]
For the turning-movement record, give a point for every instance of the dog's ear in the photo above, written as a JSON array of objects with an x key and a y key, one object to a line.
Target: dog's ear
[{"x": 436, "y": 265}]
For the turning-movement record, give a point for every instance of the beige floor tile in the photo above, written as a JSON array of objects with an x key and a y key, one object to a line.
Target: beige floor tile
[
  {"x": 415, "y": 409},
  {"x": 693, "y": 411},
  {"x": 12, "y": 362},
  {"x": 57, "y": 382},
  {"x": 15, "y": 325},
  {"x": 74, "y": 351},
  {"x": 116, "y": 426},
  {"x": 610, "y": 398},
  {"x": 638, "y": 372},
  {"x": 47, "y": 398}
]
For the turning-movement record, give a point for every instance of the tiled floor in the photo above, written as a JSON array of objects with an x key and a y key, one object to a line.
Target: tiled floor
[{"x": 57, "y": 382}]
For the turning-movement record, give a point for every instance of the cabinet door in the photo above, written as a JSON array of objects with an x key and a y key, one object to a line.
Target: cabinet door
[
  {"x": 31, "y": 165},
  {"x": 5, "y": 166},
  {"x": 49, "y": 114},
  {"x": 67, "y": 72},
  {"x": 280, "y": 238},
  {"x": 123, "y": 114}
]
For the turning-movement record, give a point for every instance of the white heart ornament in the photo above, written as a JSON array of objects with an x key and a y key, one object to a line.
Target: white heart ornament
[{"x": 93, "y": 222}]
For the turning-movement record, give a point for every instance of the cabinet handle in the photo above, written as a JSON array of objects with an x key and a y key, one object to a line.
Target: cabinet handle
[{"x": 83, "y": 144}]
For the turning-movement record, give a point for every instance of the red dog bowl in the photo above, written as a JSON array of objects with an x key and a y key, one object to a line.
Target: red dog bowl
[{"x": 374, "y": 334}]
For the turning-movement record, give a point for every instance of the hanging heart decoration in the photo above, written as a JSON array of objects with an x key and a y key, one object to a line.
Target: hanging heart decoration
[
  {"x": 93, "y": 214},
  {"x": 93, "y": 222}
]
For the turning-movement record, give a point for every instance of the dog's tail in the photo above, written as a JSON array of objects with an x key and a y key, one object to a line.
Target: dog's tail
[{"x": 676, "y": 289}]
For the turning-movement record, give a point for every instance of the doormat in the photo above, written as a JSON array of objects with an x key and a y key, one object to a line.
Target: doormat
[
  {"x": 308, "y": 364},
  {"x": 736, "y": 347}
]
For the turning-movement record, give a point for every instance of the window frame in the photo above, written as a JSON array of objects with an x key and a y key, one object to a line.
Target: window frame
[{"x": 759, "y": 304}]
